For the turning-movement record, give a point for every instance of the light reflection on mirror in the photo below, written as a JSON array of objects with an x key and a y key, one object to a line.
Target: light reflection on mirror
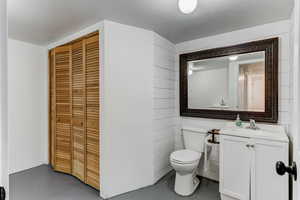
[{"x": 235, "y": 82}]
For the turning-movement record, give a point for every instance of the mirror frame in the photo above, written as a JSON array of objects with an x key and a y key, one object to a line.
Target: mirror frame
[{"x": 270, "y": 47}]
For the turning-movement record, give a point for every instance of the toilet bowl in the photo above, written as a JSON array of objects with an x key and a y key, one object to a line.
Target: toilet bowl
[{"x": 185, "y": 163}]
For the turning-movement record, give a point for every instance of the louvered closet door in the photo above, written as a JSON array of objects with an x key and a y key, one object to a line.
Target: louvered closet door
[
  {"x": 78, "y": 110},
  {"x": 92, "y": 114},
  {"x": 63, "y": 153}
]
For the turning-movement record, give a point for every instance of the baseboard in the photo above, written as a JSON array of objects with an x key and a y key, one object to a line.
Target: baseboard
[
  {"x": 16, "y": 171},
  {"x": 162, "y": 173},
  {"x": 202, "y": 177}
]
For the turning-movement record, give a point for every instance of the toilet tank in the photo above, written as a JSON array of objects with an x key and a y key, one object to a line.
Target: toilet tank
[{"x": 194, "y": 139}]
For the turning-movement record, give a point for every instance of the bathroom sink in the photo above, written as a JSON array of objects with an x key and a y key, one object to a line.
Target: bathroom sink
[{"x": 270, "y": 132}]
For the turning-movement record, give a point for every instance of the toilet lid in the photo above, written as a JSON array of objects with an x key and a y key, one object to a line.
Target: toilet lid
[{"x": 185, "y": 156}]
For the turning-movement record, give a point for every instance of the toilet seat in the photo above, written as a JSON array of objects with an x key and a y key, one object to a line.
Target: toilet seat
[{"x": 185, "y": 156}]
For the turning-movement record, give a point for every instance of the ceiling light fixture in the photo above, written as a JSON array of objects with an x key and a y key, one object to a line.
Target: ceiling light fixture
[
  {"x": 233, "y": 58},
  {"x": 187, "y": 6}
]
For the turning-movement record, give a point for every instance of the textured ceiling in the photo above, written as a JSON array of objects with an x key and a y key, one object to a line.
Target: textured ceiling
[{"x": 45, "y": 21}]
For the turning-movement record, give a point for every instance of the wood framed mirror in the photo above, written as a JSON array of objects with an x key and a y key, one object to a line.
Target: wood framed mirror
[{"x": 223, "y": 82}]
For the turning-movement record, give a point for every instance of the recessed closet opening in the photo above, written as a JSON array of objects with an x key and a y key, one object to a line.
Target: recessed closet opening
[{"x": 74, "y": 109}]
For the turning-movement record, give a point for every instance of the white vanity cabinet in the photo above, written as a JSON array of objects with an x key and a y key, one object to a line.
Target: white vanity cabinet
[{"x": 247, "y": 168}]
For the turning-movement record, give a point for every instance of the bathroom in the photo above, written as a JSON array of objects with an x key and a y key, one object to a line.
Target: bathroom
[{"x": 169, "y": 80}]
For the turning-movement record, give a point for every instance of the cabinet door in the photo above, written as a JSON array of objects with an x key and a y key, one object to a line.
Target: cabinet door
[
  {"x": 63, "y": 109},
  {"x": 266, "y": 183},
  {"x": 235, "y": 160},
  {"x": 78, "y": 110}
]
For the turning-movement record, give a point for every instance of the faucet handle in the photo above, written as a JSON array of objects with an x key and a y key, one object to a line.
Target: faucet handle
[{"x": 253, "y": 124}]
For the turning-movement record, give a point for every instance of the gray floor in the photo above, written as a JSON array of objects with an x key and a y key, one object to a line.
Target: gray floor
[{"x": 41, "y": 183}]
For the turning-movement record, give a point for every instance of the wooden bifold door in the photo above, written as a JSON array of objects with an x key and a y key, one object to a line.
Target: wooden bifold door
[{"x": 74, "y": 109}]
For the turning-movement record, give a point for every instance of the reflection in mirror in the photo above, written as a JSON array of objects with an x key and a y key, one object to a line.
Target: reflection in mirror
[{"x": 228, "y": 83}]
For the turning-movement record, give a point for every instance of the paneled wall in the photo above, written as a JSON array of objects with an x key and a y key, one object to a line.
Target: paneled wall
[
  {"x": 126, "y": 135},
  {"x": 138, "y": 108},
  {"x": 278, "y": 29},
  {"x": 293, "y": 72},
  {"x": 163, "y": 104}
]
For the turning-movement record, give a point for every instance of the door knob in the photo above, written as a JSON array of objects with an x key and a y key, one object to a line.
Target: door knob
[
  {"x": 281, "y": 169},
  {"x": 2, "y": 193}
]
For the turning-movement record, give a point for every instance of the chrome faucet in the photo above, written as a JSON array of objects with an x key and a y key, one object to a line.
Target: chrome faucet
[{"x": 253, "y": 125}]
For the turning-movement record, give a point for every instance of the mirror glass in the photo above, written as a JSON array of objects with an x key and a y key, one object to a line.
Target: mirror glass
[{"x": 234, "y": 82}]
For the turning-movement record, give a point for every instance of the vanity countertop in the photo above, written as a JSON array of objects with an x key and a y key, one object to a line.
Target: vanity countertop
[{"x": 265, "y": 131}]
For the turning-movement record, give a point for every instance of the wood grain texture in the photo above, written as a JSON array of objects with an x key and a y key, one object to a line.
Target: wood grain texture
[
  {"x": 92, "y": 114},
  {"x": 78, "y": 110},
  {"x": 74, "y": 109},
  {"x": 52, "y": 113},
  {"x": 63, "y": 154}
]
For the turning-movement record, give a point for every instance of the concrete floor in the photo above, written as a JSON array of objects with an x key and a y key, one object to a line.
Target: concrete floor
[{"x": 42, "y": 183}]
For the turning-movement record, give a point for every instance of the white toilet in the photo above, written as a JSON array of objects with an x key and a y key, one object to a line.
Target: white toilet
[{"x": 186, "y": 161}]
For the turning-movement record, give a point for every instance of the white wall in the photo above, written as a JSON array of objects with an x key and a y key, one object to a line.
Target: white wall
[
  {"x": 293, "y": 79},
  {"x": 126, "y": 147},
  {"x": 164, "y": 111},
  {"x": 27, "y": 105},
  {"x": 278, "y": 29},
  {"x": 3, "y": 96},
  {"x": 295, "y": 83},
  {"x": 208, "y": 87},
  {"x": 137, "y": 98}
]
